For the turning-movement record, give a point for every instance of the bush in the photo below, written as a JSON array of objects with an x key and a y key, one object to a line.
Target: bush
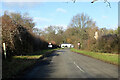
[
  {"x": 20, "y": 39},
  {"x": 108, "y": 43}
]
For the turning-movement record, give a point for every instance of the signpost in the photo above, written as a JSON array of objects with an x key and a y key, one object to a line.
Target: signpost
[
  {"x": 78, "y": 45},
  {"x": 4, "y": 48}
]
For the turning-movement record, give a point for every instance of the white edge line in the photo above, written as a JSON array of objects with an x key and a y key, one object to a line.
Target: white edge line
[{"x": 78, "y": 67}]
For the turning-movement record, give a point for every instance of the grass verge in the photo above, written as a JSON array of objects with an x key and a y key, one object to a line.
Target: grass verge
[
  {"x": 17, "y": 64},
  {"x": 106, "y": 57}
]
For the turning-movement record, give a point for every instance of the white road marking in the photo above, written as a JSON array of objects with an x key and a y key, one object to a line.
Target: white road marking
[{"x": 78, "y": 67}]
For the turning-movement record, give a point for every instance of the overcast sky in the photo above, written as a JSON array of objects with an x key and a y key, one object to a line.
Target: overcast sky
[{"x": 61, "y": 13}]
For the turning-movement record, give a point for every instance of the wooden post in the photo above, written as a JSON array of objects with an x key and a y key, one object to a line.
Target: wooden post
[{"x": 4, "y": 48}]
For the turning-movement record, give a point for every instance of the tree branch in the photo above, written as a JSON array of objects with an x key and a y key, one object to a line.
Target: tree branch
[{"x": 105, "y": 1}]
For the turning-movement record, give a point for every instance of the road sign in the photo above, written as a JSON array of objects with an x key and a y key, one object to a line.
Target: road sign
[{"x": 78, "y": 44}]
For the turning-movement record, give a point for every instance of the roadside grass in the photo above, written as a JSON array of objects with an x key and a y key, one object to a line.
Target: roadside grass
[
  {"x": 28, "y": 57},
  {"x": 17, "y": 64},
  {"x": 106, "y": 57},
  {"x": 11, "y": 68}
]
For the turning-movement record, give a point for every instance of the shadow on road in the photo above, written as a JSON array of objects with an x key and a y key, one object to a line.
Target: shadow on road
[
  {"x": 42, "y": 69},
  {"x": 51, "y": 55},
  {"x": 60, "y": 51}
]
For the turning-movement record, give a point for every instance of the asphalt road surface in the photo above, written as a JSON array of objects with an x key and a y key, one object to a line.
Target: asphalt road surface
[{"x": 66, "y": 64}]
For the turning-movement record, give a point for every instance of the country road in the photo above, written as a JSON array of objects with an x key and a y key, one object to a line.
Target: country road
[{"x": 66, "y": 64}]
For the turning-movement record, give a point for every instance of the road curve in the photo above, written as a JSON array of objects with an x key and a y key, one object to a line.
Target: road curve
[{"x": 66, "y": 64}]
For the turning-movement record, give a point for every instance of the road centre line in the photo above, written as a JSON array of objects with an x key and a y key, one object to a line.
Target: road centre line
[{"x": 78, "y": 67}]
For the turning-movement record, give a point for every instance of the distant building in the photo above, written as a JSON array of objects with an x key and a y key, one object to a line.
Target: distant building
[
  {"x": 96, "y": 35},
  {"x": 66, "y": 45}
]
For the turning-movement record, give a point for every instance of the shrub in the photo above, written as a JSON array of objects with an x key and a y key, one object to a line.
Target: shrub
[
  {"x": 20, "y": 39},
  {"x": 108, "y": 43}
]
